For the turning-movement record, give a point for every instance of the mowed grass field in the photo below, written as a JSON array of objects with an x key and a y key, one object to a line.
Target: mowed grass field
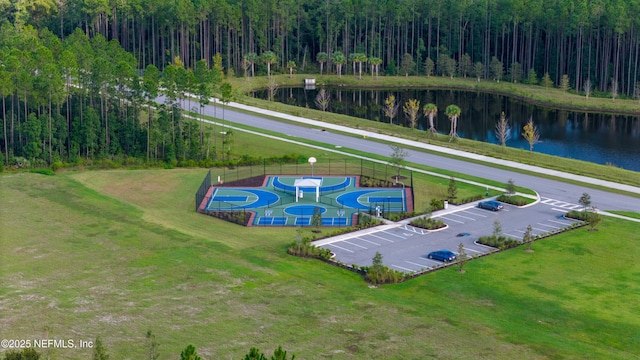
[{"x": 113, "y": 254}]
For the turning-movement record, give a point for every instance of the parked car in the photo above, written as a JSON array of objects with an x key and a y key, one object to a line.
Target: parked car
[
  {"x": 490, "y": 205},
  {"x": 442, "y": 255}
]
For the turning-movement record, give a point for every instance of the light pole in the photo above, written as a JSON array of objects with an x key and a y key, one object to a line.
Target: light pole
[{"x": 312, "y": 161}]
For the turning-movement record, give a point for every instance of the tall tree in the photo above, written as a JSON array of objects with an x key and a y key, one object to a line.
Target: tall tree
[
  {"x": 322, "y": 58},
  {"x": 453, "y": 113},
  {"x": 390, "y": 108},
  {"x": 269, "y": 58},
  {"x": 530, "y": 134},
  {"x": 503, "y": 130},
  {"x": 430, "y": 110},
  {"x": 412, "y": 108},
  {"x": 338, "y": 59},
  {"x": 151, "y": 83}
]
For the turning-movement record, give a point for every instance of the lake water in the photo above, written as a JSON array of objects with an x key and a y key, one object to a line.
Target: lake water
[{"x": 599, "y": 138}]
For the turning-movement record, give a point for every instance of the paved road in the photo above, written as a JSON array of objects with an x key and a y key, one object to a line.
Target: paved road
[{"x": 551, "y": 190}]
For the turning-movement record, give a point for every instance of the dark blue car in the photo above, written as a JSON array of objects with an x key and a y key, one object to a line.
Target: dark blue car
[
  {"x": 442, "y": 255},
  {"x": 490, "y": 205}
]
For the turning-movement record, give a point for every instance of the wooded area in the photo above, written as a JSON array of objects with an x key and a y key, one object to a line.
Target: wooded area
[{"x": 588, "y": 45}]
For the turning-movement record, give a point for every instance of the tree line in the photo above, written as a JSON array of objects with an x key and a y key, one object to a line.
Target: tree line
[
  {"x": 82, "y": 99},
  {"x": 595, "y": 43}
]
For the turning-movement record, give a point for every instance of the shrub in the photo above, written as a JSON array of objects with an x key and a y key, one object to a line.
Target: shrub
[
  {"x": 578, "y": 215},
  {"x": 513, "y": 200},
  {"x": 427, "y": 223},
  {"x": 499, "y": 241},
  {"x": 42, "y": 171}
]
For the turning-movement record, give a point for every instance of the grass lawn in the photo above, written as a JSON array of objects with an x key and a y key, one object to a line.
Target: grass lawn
[{"x": 116, "y": 253}]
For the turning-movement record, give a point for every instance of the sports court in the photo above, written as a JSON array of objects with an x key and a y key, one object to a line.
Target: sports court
[{"x": 289, "y": 200}]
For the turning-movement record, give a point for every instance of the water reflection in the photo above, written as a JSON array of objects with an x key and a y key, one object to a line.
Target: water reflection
[{"x": 600, "y": 138}]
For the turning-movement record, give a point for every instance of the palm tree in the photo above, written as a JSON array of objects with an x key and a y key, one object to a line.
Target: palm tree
[
  {"x": 269, "y": 57},
  {"x": 453, "y": 113},
  {"x": 338, "y": 59},
  {"x": 430, "y": 111},
  {"x": 361, "y": 58},
  {"x": 353, "y": 61},
  {"x": 322, "y": 57},
  {"x": 252, "y": 58},
  {"x": 291, "y": 65},
  {"x": 375, "y": 62}
]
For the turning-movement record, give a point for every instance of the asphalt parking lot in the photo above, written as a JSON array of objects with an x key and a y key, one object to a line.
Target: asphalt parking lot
[{"x": 405, "y": 248}]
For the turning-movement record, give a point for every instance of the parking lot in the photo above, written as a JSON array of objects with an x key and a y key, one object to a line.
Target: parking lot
[{"x": 405, "y": 248}]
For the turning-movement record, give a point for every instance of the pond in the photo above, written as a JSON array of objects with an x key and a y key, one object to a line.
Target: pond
[{"x": 607, "y": 139}]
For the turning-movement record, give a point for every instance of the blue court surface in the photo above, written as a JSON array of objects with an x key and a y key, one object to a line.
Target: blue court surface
[{"x": 279, "y": 204}]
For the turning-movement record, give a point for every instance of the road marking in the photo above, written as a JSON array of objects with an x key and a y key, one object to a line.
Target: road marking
[
  {"x": 520, "y": 231},
  {"x": 514, "y": 236},
  {"x": 354, "y": 244},
  {"x": 381, "y": 238},
  {"x": 561, "y": 210},
  {"x": 543, "y": 230},
  {"x": 476, "y": 251},
  {"x": 339, "y": 247},
  {"x": 464, "y": 217},
  {"x": 392, "y": 234},
  {"x": 403, "y": 268},
  {"x": 460, "y": 222},
  {"x": 560, "y": 222},
  {"x": 370, "y": 242},
  {"x": 551, "y": 226},
  {"x": 472, "y": 213},
  {"x": 416, "y": 264}
]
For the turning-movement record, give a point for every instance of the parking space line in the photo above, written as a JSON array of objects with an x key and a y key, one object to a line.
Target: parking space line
[
  {"x": 472, "y": 213},
  {"x": 520, "y": 231},
  {"x": 464, "y": 217},
  {"x": 392, "y": 234},
  {"x": 360, "y": 246},
  {"x": 543, "y": 230},
  {"x": 551, "y": 226},
  {"x": 476, "y": 251},
  {"x": 561, "y": 210},
  {"x": 416, "y": 264},
  {"x": 560, "y": 222},
  {"x": 340, "y": 247},
  {"x": 400, "y": 267},
  {"x": 370, "y": 242},
  {"x": 514, "y": 236},
  {"x": 381, "y": 238},
  {"x": 461, "y": 222}
]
